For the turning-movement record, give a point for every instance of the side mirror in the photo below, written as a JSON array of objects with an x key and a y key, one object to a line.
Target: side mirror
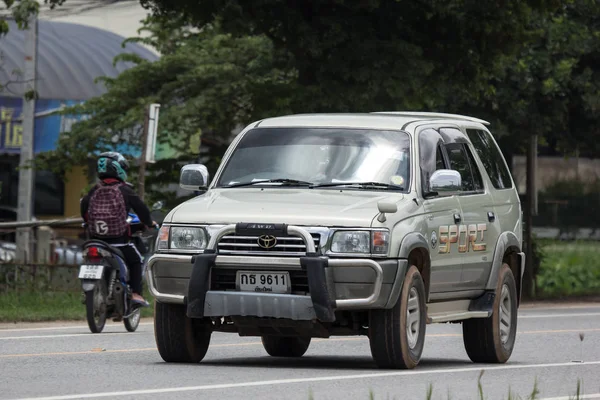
[
  {"x": 445, "y": 182},
  {"x": 193, "y": 177},
  {"x": 158, "y": 205},
  {"x": 385, "y": 207}
]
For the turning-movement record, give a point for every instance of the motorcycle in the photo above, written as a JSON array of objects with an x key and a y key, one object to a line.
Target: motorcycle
[{"x": 104, "y": 275}]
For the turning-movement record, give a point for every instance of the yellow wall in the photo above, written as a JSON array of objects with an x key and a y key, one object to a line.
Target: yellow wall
[{"x": 76, "y": 182}]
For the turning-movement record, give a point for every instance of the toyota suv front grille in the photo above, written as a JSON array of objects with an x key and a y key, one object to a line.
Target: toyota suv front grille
[{"x": 258, "y": 245}]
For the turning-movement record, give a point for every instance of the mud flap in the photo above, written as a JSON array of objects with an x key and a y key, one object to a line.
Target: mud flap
[
  {"x": 317, "y": 286},
  {"x": 198, "y": 284}
]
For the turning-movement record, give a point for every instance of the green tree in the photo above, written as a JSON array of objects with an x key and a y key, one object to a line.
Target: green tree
[
  {"x": 552, "y": 87},
  {"x": 377, "y": 54}
]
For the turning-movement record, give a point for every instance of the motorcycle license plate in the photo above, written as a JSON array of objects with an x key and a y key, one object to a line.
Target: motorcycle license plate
[{"x": 91, "y": 271}]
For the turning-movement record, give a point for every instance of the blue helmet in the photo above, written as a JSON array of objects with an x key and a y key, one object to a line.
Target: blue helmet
[{"x": 112, "y": 165}]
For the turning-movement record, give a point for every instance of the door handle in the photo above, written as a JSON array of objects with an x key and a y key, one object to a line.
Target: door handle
[
  {"x": 457, "y": 218},
  {"x": 491, "y": 216}
]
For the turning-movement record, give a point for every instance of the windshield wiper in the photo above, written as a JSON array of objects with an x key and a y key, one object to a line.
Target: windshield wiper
[
  {"x": 362, "y": 185},
  {"x": 279, "y": 180}
]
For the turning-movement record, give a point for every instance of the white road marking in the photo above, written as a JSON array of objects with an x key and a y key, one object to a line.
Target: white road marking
[
  {"x": 58, "y": 328},
  {"x": 90, "y": 335},
  {"x": 559, "y": 315},
  {"x": 305, "y": 380},
  {"x": 538, "y": 307},
  {"x": 581, "y": 396}
]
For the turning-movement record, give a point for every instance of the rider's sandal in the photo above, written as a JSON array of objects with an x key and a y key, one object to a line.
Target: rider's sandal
[{"x": 141, "y": 303}]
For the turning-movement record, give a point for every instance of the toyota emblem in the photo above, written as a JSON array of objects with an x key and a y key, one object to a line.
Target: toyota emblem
[{"x": 267, "y": 241}]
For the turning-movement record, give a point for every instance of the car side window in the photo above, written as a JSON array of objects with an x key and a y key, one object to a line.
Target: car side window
[
  {"x": 477, "y": 178},
  {"x": 462, "y": 161},
  {"x": 491, "y": 158}
]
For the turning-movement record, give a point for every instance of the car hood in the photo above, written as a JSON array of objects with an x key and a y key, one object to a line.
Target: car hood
[{"x": 302, "y": 206}]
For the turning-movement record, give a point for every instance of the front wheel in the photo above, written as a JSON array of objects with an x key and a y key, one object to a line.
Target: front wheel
[
  {"x": 491, "y": 340},
  {"x": 95, "y": 305},
  {"x": 397, "y": 335},
  {"x": 133, "y": 321},
  {"x": 179, "y": 338}
]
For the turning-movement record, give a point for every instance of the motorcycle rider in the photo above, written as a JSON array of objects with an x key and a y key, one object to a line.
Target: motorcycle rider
[{"x": 105, "y": 209}]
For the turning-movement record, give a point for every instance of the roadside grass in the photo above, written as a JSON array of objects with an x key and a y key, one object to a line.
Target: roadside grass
[
  {"x": 39, "y": 306},
  {"x": 481, "y": 395},
  {"x": 568, "y": 269}
]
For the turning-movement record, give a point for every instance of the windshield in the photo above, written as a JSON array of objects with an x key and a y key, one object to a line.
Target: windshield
[{"x": 320, "y": 156}]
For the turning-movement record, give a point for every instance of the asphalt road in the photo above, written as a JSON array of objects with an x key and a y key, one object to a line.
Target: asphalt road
[{"x": 65, "y": 361}]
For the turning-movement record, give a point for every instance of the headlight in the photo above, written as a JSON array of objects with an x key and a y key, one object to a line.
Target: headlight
[
  {"x": 187, "y": 238},
  {"x": 181, "y": 238},
  {"x": 375, "y": 242}
]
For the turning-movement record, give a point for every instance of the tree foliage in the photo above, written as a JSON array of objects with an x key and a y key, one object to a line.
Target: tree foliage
[
  {"x": 377, "y": 54},
  {"x": 552, "y": 87}
]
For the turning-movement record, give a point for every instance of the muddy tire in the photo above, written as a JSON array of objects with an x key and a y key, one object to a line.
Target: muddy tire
[
  {"x": 397, "y": 335},
  {"x": 285, "y": 346},
  {"x": 491, "y": 340},
  {"x": 180, "y": 339}
]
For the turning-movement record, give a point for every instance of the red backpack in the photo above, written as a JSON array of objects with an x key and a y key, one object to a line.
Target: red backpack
[{"x": 107, "y": 213}]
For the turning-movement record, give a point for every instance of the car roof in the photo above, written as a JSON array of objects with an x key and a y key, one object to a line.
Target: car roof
[{"x": 377, "y": 120}]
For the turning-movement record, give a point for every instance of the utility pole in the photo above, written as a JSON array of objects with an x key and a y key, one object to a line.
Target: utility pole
[
  {"x": 26, "y": 175},
  {"x": 142, "y": 168},
  {"x": 149, "y": 136},
  {"x": 530, "y": 210}
]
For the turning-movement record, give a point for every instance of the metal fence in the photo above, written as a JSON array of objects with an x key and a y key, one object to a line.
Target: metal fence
[
  {"x": 568, "y": 217},
  {"x": 52, "y": 242}
]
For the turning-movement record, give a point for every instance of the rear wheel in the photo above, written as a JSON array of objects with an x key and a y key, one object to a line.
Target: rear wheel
[
  {"x": 397, "y": 335},
  {"x": 285, "y": 346},
  {"x": 179, "y": 338},
  {"x": 491, "y": 340},
  {"x": 95, "y": 305}
]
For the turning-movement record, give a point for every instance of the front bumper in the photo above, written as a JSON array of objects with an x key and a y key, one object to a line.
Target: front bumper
[{"x": 333, "y": 284}]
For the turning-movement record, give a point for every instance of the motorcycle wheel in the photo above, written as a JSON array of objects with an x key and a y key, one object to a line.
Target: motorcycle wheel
[
  {"x": 132, "y": 322},
  {"x": 95, "y": 304}
]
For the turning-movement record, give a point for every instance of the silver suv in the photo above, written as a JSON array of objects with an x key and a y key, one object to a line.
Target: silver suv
[{"x": 370, "y": 224}]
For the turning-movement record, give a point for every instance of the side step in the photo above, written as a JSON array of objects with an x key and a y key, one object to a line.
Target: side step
[
  {"x": 458, "y": 310},
  {"x": 442, "y": 317}
]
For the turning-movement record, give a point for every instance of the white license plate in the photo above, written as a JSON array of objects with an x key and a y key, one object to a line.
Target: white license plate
[
  {"x": 91, "y": 271},
  {"x": 263, "y": 282}
]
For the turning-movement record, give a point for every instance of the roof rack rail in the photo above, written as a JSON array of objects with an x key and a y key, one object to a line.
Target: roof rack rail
[{"x": 433, "y": 115}]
